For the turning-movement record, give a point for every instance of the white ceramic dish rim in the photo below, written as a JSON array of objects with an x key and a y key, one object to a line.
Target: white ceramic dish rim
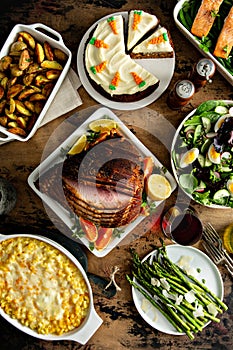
[
  {"x": 35, "y": 30},
  {"x": 164, "y": 73},
  {"x": 215, "y": 206},
  {"x": 51, "y": 159},
  {"x": 164, "y": 326},
  {"x": 92, "y": 321},
  {"x": 192, "y": 39}
]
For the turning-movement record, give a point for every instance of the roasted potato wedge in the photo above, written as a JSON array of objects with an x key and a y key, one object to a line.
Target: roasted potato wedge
[
  {"x": 37, "y": 97},
  {"x": 39, "y": 53},
  {"x": 12, "y": 105},
  {"x": 28, "y": 79},
  {"x": 41, "y": 79},
  {"x": 24, "y": 60},
  {"x": 48, "y": 51},
  {"x": 51, "y": 65},
  {"x": 38, "y": 106},
  {"x": 3, "y": 121},
  {"x": 2, "y": 105},
  {"x": 22, "y": 123},
  {"x": 34, "y": 68},
  {"x": 27, "y": 92},
  {"x": 47, "y": 88},
  {"x": 17, "y": 46},
  {"x": 30, "y": 105},
  {"x": 60, "y": 55},
  {"x": 14, "y": 90},
  {"x": 5, "y": 63},
  {"x": 4, "y": 83},
  {"x": 2, "y": 92},
  {"x": 15, "y": 70},
  {"x": 17, "y": 130},
  {"x": 28, "y": 39},
  {"x": 20, "y": 107},
  {"x": 53, "y": 74}
]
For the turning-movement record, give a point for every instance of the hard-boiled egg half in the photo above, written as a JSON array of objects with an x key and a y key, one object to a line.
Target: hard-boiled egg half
[
  {"x": 230, "y": 186},
  {"x": 214, "y": 156},
  {"x": 189, "y": 157},
  {"x": 220, "y": 121}
]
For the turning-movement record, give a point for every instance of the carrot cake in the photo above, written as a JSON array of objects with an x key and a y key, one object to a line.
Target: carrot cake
[
  {"x": 140, "y": 23},
  {"x": 157, "y": 45},
  {"x": 110, "y": 70}
]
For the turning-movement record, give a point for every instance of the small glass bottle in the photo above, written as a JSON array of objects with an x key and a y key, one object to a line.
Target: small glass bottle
[
  {"x": 202, "y": 73},
  {"x": 181, "y": 94}
]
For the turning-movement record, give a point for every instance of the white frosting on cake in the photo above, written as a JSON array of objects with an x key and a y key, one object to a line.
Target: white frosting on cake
[
  {"x": 109, "y": 61},
  {"x": 157, "y": 42},
  {"x": 145, "y": 24}
]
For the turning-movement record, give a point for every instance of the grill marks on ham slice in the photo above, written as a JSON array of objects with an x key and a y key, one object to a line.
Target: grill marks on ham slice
[{"x": 103, "y": 185}]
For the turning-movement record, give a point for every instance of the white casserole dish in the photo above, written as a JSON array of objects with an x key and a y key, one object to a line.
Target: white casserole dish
[
  {"x": 37, "y": 30},
  {"x": 92, "y": 322},
  {"x": 196, "y": 43}
]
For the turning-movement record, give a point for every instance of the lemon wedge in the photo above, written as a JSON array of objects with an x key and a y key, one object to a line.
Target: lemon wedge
[
  {"x": 228, "y": 238},
  {"x": 79, "y": 145},
  {"x": 158, "y": 187},
  {"x": 102, "y": 125}
]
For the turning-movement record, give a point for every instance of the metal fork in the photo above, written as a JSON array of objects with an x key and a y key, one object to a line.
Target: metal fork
[
  {"x": 216, "y": 256},
  {"x": 214, "y": 246}
]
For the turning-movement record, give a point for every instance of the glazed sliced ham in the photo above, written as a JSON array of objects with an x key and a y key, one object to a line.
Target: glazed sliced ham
[
  {"x": 103, "y": 184},
  {"x": 225, "y": 39},
  {"x": 205, "y": 17}
]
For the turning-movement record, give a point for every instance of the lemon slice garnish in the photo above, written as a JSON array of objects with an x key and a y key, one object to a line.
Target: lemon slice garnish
[
  {"x": 158, "y": 187},
  {"x": 102, "y": 125},
  {"x": 79, "y": 145},
  {"x": 228, "y": 238}
]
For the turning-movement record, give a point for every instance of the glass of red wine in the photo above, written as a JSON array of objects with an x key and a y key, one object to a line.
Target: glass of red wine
[{"x": 182, "y": 225}]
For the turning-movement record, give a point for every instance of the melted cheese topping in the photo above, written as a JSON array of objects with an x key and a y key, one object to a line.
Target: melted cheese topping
[
  {"x": 109, "y": 66},
  {"x": 146, "y": 23},
  {"x": 41, "y": 287},
  {"x": 157, "y": 42}
]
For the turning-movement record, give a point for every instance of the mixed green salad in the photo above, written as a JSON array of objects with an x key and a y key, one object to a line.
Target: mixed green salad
[{"x": 202, "y": 154}]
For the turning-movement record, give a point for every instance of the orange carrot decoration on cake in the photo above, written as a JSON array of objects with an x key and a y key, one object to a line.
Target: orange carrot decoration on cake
[
  {"x": 98, "y": 43},
  {"x": 99, "y": 67},
  {"x": 159, "y": 39},
  {"x": 115, "y": 81},
  {"x": 138, "y": 80},
  {"x": 136, "y": 19},
  {"x": 112, "y": 23}
]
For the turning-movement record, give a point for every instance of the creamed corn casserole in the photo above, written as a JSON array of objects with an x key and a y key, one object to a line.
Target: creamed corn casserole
[{"x": 41, "y": 287}]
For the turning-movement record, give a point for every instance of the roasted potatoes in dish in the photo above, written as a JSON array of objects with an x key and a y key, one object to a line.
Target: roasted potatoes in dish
[{"x": 28, "y": 74}]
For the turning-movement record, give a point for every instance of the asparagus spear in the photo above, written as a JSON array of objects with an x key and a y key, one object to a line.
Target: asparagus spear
[{"x": 180, "y": 315}]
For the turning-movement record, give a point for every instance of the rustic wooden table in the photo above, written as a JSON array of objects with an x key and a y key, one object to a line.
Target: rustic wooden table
[{"x": 123, "y": 327}]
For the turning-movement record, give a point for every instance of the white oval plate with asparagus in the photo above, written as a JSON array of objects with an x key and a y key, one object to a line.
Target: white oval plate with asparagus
[{"x": 172, "y": 302}]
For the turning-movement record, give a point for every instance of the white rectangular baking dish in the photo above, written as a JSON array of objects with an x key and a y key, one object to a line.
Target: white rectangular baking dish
[
  {"x": 42, "y": 33},
  {"x": 196, "y": 43},
  {"x": 58, "y": 156},
  {"x": 92, "y": 321}
]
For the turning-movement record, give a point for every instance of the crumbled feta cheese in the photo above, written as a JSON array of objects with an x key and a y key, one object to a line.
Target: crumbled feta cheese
[
  {"x": 212, "y": 309},
  {"x": 155, "y": 282},
  {"x": 165, "y": 284},
  {"x": 179, "y": 299},
  {"x": 198, "y": 312},
  {"x": 190, "y": 296}
]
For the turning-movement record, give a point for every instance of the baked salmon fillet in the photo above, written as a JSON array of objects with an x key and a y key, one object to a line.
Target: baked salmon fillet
[
  {"x": 225, "y": 40},
  {"x": 205, "y": 17}
]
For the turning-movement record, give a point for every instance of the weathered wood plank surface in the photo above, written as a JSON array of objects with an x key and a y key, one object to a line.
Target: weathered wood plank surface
[{"x": 123, "y": 328}]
